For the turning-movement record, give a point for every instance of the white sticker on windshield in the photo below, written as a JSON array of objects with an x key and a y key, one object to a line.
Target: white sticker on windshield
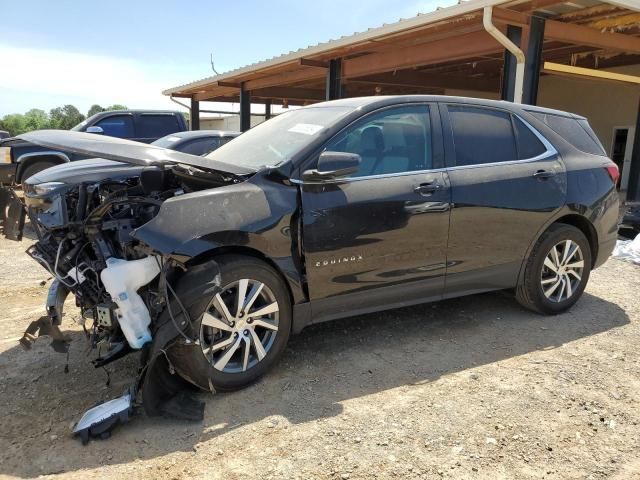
[{"x": 306, "y": 128}]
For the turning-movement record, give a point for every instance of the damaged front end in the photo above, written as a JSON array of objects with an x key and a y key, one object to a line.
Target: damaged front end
[{"x": 83, "y": 215}]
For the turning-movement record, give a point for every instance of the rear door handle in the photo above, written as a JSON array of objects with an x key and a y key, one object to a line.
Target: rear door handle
[
  {"x": 427, "y": 189},
  {"x": 544, "y": 174}
]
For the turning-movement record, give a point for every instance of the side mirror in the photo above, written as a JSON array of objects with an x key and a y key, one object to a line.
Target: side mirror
[
  {"x": 95, "y": 129},
  {"x": 332, "y": 165}
]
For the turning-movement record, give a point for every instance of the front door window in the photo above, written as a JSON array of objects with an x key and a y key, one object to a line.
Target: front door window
[{"x": 392, "y": 141}]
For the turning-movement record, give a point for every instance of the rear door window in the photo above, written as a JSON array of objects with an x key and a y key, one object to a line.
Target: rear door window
[
  {"x": 577, "y": 132},
  {"x": 155, "y": 125},
  {"x": 120, "y": 126},
  {"x": 482, "y": 135}
]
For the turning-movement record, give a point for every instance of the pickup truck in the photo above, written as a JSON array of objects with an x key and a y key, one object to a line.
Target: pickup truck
[{"x": 20, "y": 159}]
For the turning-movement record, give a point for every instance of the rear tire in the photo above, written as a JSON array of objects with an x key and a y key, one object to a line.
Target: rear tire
[
  {"x": 551, "y": 282},
  {"x": 212, "y": 364}
]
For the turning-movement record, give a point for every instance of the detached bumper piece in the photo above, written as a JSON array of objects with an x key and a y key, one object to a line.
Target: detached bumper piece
[
  {"x": 49, "y": 325},
  {"x": 166, "y": 394},
  {"x": 12, "y": 214},
  {"x": 100, "y": 421},
  {"x": 45, "y": 327}
]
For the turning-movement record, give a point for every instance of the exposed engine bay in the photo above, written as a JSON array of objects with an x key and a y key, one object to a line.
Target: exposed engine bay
[
  {"x": 84, "y": 241},
  {"x": 122, "y": 286}
]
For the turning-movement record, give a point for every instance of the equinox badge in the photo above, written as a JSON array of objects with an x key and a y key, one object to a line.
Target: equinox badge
[{"x": 337, "y": 261}]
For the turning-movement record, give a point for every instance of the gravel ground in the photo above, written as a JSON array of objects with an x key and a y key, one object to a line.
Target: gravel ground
[{"x": 469, "y": 388}]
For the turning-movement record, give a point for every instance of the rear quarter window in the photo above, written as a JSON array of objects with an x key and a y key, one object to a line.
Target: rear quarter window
[
  {"x": 577, "y": 132},
  {"x": 529, "y": 145}
]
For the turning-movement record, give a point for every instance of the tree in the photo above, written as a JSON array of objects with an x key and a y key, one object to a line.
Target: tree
[
  {"x": 62, "y": 118},
  {"x": 95, "y": 108},
  {"x": 116, "y": 107},
  {"x": 14, "y": 123},
  {"x": 36, "y": 119},
  {"x": 66, "y": 117}
]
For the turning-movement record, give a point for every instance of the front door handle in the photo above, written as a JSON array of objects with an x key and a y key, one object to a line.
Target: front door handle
[
  {"x": 544, "y": 174},
  {"x": 427, "y": 189}
]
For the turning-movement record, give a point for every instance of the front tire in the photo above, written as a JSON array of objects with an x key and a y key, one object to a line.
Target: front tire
[
  {"x": 241, "y": 314},
  {"x": 557, "y": 271}
]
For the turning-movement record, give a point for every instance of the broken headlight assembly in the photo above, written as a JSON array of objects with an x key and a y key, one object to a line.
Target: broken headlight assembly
[{"x": 42, "y": 189}]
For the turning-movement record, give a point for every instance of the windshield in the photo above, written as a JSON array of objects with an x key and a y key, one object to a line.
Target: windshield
[
  {"x": 276, "y": 141},
  {"x": 166, "y": 142},
  {"x": 79, "y": 126}
]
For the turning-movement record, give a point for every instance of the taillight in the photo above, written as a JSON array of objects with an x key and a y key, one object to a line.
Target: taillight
[{"x": 613, "y": 172}]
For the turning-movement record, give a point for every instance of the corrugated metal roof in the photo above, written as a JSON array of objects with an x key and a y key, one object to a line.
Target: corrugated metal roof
[
  {"x": 422, "y": 19},
  {"x": 441, "y": 14}
]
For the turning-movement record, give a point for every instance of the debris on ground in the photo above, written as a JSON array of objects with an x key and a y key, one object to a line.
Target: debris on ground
[
  {"x": 399, "y": 394},
  {"x": 628, "y": 250}
]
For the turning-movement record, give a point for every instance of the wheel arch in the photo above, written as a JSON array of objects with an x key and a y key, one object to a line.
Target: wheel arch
[
  {"x": 248, "y": 252},
  {"x": 580, "y": 222},
  {"x": 586, "y": 227},
  {"x": 26, "y": 160}
]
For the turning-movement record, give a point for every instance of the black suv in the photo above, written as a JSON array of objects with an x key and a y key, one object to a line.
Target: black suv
[
  {"x": 20, "y": 159},
  {"x": 337, "y": 209}
]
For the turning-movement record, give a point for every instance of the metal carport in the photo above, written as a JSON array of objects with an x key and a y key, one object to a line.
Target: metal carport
[{"x": 450, "y": 50}]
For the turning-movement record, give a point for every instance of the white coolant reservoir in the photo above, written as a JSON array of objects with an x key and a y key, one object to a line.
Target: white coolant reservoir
[{"x": 122, "y": 279}]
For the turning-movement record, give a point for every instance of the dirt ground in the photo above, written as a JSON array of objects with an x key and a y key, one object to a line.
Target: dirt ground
[{"x": 469, "y": 388}]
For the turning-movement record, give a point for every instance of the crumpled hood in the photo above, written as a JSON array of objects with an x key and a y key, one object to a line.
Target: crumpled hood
[
  {"x": 86, "y": 171},
  {"x": 121, "y": 150}
]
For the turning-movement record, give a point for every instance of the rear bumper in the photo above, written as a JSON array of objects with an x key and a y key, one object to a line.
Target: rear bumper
[
  {"x": 605, "y": 249},
  {"x": 8, "y": 173},
  {"x": 606, "y": 225}
]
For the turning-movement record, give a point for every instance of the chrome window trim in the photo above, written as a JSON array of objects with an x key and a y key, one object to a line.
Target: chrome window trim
[
  {"x": 550, "y": 152},
  {"x": 369, "y": 177}
]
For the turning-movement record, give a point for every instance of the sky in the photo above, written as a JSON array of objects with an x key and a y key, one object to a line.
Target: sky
[{"x": 82, "y": 52}]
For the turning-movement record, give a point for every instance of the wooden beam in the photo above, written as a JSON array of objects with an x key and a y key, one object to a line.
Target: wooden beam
[
  {"x": 619, "y": 21},
  {"x": 286, "y": 78},
  {"x": 228, "y": 84},
  {"x": 592, "y": 61},
  {"x": 411, "y": 79},
  {"x": 510, "y": 17},
  {"x": 215, "y": 92},
  {"x": 542, "y": 4},
  {"x": 236, "y": 99},
  {"x": 445, "y": 50},
  {"x": 589, "y": 73},
  {"x": 306, "y": 62},
  {"x": 365, "y": 89},
  {"x": 289, "y": 93},
  {"x": 538, "y": 5},
  {"x": 571, "y": 33}
]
